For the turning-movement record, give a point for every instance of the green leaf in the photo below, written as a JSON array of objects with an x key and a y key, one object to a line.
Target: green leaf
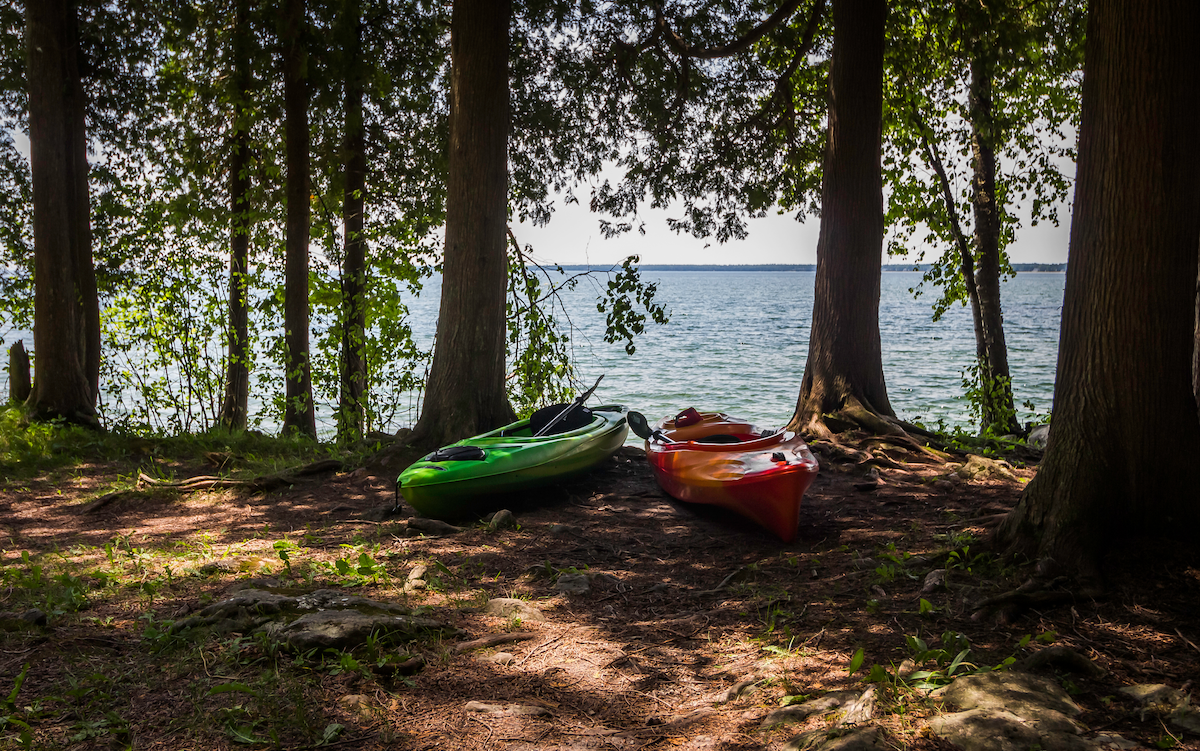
[
  {"x": 788, "y": 701},
  {"x": 856, "y": 661},
  {"x": 957, "y": 661},
  {"x": 245, "y": 735},
  {"x": 227, "y": 688},
  {"x": 332, "y": 731}
]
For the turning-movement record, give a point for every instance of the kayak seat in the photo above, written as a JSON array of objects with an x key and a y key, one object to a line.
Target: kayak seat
[
  {"x": 720, "y": 438},
  {"x": 579, "y": 417},
  {"x": 728, "y": 438},
  {"x": 456, "y": 454}
]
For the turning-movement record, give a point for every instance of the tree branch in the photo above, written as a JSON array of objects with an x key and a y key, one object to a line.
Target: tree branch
[{"x": 741, "y": 44}]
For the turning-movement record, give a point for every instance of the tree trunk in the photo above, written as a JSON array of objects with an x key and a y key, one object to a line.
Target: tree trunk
[
  {"x": 1196, "y": 352},
  {"x": 81, "y": 210},
  {"x": 298, "y": 413},
  {"x": 465, "y": 393},
  {"x": 1125, "y": 435},
  {"x": 998, "y": 412},
  {"x": 235, "y": 406},
  {"x": 351, "y": 410},
  {"x": 844, "y": 372},
  {"x": 66, "y": 327}
]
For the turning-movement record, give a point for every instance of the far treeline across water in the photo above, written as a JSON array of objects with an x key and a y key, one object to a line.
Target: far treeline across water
[{"x": 922, "y": 267}]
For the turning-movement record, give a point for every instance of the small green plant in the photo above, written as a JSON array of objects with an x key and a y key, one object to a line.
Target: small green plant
[
  {"x": 158, "y": 634},
  {"x": 940, "y": 665},
  {"x": 111, "y": 724},
  {"x": 361, "y": 570},
  {"x": 344, "y": 662},
  {"x": 9, "y": 712}
]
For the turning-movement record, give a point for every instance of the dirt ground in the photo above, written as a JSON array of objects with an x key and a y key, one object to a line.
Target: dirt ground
[{"x": 686, "y": 602}]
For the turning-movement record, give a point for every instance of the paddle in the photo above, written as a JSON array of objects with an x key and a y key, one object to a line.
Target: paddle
[
  {"x": 563, "y": 415},
  {"x": 641, "y": 427}
]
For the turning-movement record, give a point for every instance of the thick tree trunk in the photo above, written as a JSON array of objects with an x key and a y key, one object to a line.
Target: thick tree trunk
[
  {"x": 465, "y": 393},
  {"x": 351, "y": 410},
  {"x": 844, "y": 372},
  {"x": 235, "y": 406},
  {"x": 1125, "y": 435},
  {"x": 66, "y": 327},
  {"x": 298, "y": 413},
  {"x": 1196, "y": 352},
  {"x": 84, "y": 269},
  {"x": 992, "y": 353}
]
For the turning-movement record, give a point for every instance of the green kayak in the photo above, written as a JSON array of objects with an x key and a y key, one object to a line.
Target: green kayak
[{"x": 459, "y": 478}]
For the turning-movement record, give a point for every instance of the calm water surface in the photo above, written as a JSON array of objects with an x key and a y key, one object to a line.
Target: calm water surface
[{"x": 738, "y": 341}]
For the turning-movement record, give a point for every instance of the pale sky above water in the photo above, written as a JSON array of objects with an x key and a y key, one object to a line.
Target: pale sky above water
[{"x": 573, "y": 237}]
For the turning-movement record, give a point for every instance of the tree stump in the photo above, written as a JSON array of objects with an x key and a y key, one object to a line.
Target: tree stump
[{"x": 19, "y": 383}]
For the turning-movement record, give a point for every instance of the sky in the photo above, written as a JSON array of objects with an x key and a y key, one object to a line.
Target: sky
[{"x": 573, "y": 237}]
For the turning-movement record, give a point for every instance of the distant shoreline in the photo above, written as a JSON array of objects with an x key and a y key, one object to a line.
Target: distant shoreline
[{"x": 1017, "y": 267}]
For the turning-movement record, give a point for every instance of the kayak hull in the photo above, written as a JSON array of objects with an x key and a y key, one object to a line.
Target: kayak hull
[
  {"x": 513, "y": 461},
  {"x": 762, "y": 478}
]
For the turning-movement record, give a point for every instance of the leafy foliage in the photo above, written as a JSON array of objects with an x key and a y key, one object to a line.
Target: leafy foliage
[{"x": 1036, "y": 55}]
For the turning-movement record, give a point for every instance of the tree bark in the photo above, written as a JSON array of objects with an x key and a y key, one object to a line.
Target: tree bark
[
  {"x": 844, "y": 372},
  {"x": 465, "y": 393},
  {"x": 235, "y": 406},
  {"x": 1196, "y": 352},
  {"x": 351, "y": 410},
  {"x": 298, "y": 413},
  {"x": 998, "y": 412},
  {"x": 66, "y": 328},
  {"x": 1125, "y": 435}
]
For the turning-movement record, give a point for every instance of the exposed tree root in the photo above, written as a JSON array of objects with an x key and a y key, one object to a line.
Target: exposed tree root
[
  {"x": 1065, "y": 658},
  {"x": 256, "y": 484},
  {"x": 881, "y": 430},
  {"x": 103, "y": 501},
  {"x": 1043, "y": 589}
]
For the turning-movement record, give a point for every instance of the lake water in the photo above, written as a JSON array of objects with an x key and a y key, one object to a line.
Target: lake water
[{"x": 737, "y": 342}]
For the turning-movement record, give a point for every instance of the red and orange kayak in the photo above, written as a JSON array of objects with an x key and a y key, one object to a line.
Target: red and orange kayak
[{"x": 710, "y": 458}]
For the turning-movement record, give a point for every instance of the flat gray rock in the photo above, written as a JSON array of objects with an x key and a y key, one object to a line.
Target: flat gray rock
[
  {"x": 867, "y": 738},
  {"x": 340, "y": 629},
  {"x": 1030, "y": 696},
  {"x": 1010, "y": 711},
  {"x": 987, "y": 730},
  {"x": 801, "y": 712},
  {"x": 526, "y": 710},
  {"x": 322, "y": 619},
  {"x": 1157, "y": 697},
  {"x": 573, "y": 584},
  {"x": 508, "y": 607}
]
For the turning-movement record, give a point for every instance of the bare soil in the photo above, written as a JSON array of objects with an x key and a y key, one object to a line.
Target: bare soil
[{"x": 685, "y": 603}]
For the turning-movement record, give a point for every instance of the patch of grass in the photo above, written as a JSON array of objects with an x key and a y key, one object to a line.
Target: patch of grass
[{"x": 29, "y": 448}]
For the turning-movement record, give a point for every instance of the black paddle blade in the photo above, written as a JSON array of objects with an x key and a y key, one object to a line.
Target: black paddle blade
[{"x": 638, "y": 424}]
